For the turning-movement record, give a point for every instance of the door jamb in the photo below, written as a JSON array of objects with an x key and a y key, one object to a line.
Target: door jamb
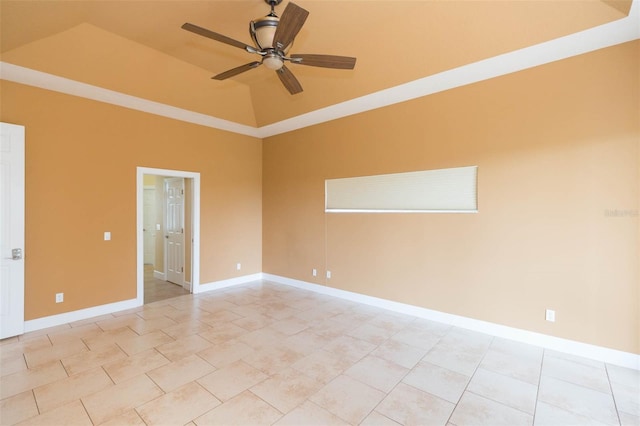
[{"x": 195, "y": 229}]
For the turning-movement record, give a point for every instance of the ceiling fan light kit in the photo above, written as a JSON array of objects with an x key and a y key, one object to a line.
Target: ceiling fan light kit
[{"x": 273, "y": 37}]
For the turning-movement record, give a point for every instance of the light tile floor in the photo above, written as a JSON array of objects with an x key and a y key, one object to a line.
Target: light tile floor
[{"x": 267, "y": 354}]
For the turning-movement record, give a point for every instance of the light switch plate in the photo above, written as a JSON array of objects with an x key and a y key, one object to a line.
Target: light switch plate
[{"x": 107, "y": 236}]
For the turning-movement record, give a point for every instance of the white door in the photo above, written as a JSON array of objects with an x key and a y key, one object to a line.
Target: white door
[
  {"x": 174, "y": 228},
  {"x": 11, "y": 230},
  {"x": 149, "y": 225}
]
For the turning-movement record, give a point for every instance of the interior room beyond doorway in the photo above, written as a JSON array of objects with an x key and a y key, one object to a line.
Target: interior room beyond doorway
[{"x": 167, "y": 237}]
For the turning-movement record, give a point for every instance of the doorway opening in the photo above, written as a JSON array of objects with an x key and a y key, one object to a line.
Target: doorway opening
[{"x": 168, "y": 231}]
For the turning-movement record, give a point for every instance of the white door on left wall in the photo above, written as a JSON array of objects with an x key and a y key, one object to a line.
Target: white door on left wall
[{"x": 11, "y": 230}]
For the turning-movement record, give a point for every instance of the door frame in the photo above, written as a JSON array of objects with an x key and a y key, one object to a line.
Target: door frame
[{"x": 195, "y": 227}]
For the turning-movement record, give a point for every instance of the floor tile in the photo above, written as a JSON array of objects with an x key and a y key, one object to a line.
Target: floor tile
[
  {"x": 181, "y": 372},
  {"x": 261, "y": 353},
  {"x": 183, "y": 347},
  {"x": 74, "y": 333},
  {"x": 441, "y": 382},
  {"x": 322, "y": 366},
  {"x": 109, "y": 337},
  {"x": 179, "y": 406},
  {"x": 377, "y": 419},
  {"x": 14, "y": 347},
  {"x": 371, "y": 333},
  {"x": 309, "y": 414},
  {"x": 254, "y": 322},
  {"x": 17, "y": 408},
  {"x": 128, "y": 418},
  {"x": 338, "y": 398},
  {"x": 476, "y": 410},
  {"x": 10, "y": 365},
  {"x": 130, "y": 320},
  {"x": 25, "y": 380},
  {"x": 410, "y": 406},
  {"x": 579, "y": 374},
  {"x": 224, "y": 332},
  {"x": 629, "y": 420},
  {"x": 459, "y": 359},
  {"x": 519, "y": 366},
  {"x": 400, "y": 353},
  {"x": 272, "y": 359},
  {"x": 286, "y": 389},
  {"x": 84, "y": 361},
  {"x": 349, "y": 348},
  {"x": 290, "y": 326},
  {"x": 152, "y": 324},
  {"x": 186, "y": 328},
  {"x": 624, "y": 376},
  {"x": 578, "y": 399},
  {"x": 627, "y": 398},
  {"x": 232, "y": 380},
  {"x": 262, "y": 338},
  {"x": 574, "y": 358},
  {"x": 45, "y": 355},
  {"x": 71, "y": 414},
  {"x": 137, "y": 344},
  {"x": 377, "y": 373},
  {"x": 225, "y": 353},
  {"x": 550, "y": 415},
  {"x": 504, "y": 389},
  {"x": 64, "y": 391},
  {"x": 118, "y": 399},
  {"x": 135, "y": 365},
  {"x": 244, "y": 409}
]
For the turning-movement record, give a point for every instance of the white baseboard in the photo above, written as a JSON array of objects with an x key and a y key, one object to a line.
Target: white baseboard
[
  {"x": 217, "y": 285},
  {"x": 599, "y": 353},
  {"x": 159, "y": 275},
  {"x": 81, "y": 314}
]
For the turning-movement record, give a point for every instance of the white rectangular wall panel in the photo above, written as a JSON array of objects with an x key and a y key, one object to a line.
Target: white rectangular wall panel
[{"x": 444, "y": 190}]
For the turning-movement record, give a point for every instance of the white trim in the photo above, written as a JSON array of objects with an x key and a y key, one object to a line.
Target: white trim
[
  {"x": 81, "y": 314},
  {"x": 56, "y": 83},
  {"x": 396, "y": 211},
  {"x": 195, "y": 228},
  {"x": 159, "y": 275},
  {"x": 217, "y": 285},
  {"x": 607, "y": 35},
  {"x": 586, "y": 350}
]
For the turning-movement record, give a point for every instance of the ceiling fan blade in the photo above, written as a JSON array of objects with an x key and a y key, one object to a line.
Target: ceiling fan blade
[
  {"x": 289, "y": 80},
  {"x": 217, "y": 37},
  {"x": 325, "y": 61},
  {"x": 290, "y": 24},
  {"x": 236, "y": 70}
]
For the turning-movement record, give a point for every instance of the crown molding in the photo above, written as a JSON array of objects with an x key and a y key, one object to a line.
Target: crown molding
[{"x": 600, "y": 37}]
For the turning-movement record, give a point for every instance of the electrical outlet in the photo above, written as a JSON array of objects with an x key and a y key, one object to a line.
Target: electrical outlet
[
  {"x": 238, "y": 266},
  {"x": 59, "y": 297},
  {"x": 107, "y": 236},
  {"x": 314, "y": 272},
  {"x": 550, "y": 315},
  {"x": 328, "y": 274}
]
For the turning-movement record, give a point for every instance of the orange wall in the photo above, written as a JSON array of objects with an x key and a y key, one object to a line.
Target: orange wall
[
  {"x": 81, "y": 159},
  {"x": 556, "y": 146}
]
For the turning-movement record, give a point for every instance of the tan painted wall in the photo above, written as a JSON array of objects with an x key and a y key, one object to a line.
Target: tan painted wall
[
  {"x": 68, "y": 139},
  {"x": 557, "y": 147}
]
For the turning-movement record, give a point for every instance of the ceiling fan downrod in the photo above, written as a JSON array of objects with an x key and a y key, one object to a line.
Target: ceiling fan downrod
[{"x": 273, "y": 4}]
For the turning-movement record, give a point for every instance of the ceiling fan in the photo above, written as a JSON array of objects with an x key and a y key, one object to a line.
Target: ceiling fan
[{"x": 273, "y": 38}]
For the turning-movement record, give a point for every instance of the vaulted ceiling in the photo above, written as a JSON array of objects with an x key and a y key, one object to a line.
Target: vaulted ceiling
[{"x": 138, "y": 48}]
